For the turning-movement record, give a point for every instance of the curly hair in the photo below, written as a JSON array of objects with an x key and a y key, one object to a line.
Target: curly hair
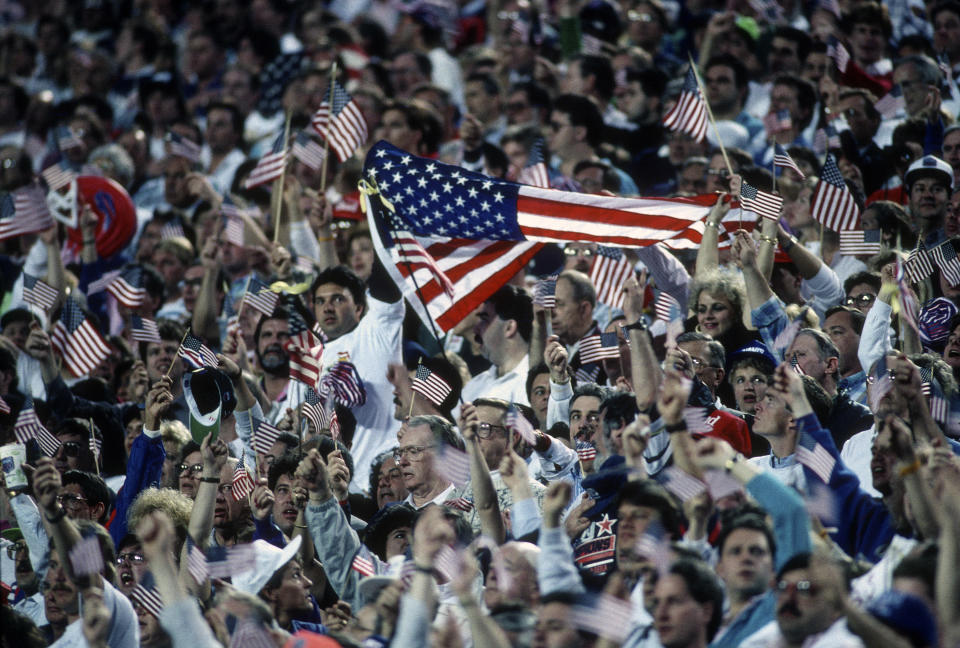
[
  {"x": 175, "y": 504},
  {"x": 720, "y": 282}
]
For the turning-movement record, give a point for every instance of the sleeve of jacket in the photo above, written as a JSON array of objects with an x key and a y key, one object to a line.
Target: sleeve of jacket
[
  {"x": 863, "y": 523},
  {"x": 144, "y": 469},
  {"x": 556, "y": 571},
  {"x": 336, "y": 544},
  {"x": 791, "y": 526}
]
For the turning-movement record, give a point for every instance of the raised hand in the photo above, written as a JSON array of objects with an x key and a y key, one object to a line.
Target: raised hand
[
  {"x": 555, "y": 500},
  {"x": 339, "y": 475},
  {"x": 556, "y": 357},
  {"x": 312, "y": 472},
  {"x": 261, "y": 500},
  {"x": 158, "y": 400}
]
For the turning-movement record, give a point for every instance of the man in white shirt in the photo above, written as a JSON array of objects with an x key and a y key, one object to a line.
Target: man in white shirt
[
  {"x": 503, "y": 329},
  {"x": 363, "y": 327}
]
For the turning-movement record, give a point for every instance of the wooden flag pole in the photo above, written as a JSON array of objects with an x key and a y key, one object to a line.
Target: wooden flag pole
[
  {"x": 413, "y": 393},
  {"x": 170, "y": 368},
  {"x": 326, "y": 136},
  {"x": 93, "y": 442},
  {"x": 713, "y": 122},
  {"x": 277, "y": 197},
  {"x": 243, "y": 299}
]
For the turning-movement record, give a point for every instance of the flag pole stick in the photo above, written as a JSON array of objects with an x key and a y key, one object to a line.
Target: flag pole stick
[
  {"x": 326, "y": 136},
  {"x": 773, "y": 170},
  {"x": 170, "y": 368},
  {"x": 277, "y": 196},
  {"x": 93, "y": 443},
  {"x": 713, "y": 122},
  {"x": 243, "y": 299},
  {"x": 413, "y": 393}
]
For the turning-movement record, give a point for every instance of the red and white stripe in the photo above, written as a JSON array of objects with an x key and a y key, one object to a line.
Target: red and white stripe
[{"x": 83, "y": 350}]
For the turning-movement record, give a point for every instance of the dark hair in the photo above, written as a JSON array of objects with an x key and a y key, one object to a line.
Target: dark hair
[
  {"x": 285, "y": 464},
  {"x": 536, "y": 94},
  {"x": 582, "y": 112},
  {"x": 868, "y": 102},
  {"x": 512, "y": 303},
  {"x": 870, "y": 13},
  {"x": 704, "y": 587},
  {"x": 619, "y": 407},
  {"x": 345, "y": 278},
  {"x": 279, "y": 313},
  {"x": 169, "y": 331},
  {"x": 864, "y": 277},
  {"x": 820, "y": 401},
  {"x": 800, "y": 38},
  {"x": 21, "y": 628},
  {"x": 18, "y": 315},
  {"x": 537, "y": 370},
  {"x": 740, "y": 74},
  {"x": 489, "y": 83},
  {"x": 392, "y": 516},
  {"x": 327, "y": 445},
  {"x": 93, "y": 487},
  {"x": 651, "y": 495},
  {"x": 236, "y": 119},
  {"x": 856, "y": 317},
  {"x": 748, "y": 520},
  {"x": 497, "y": 403},
  {"x": 652, "y": 80},
  {"x": 188, "y": 448},
  {"x": 610, "y": 180},
  {"x": 806, "y": 93},
  {"x": 375, "y": 467},
  {"x": 921, "y": 565},
  {"x": 601, "y": 69}
]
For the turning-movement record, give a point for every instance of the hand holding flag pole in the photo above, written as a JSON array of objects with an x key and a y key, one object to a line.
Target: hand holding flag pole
[
  {"x": 177, "y": 356},
  {"x": 243, "y": 299},
  {"x": 326, "y": 136},
  {"x": 277, "y": 195}
]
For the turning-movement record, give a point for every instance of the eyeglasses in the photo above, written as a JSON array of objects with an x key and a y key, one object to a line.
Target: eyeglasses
[
  {"x": 71, "y": 449},
  {"x": 71, "y": 501},
  {"x": 412, "y": 452},
  {"x": 485, "y": 430},
  {"x": 871, "y": 379},
  {"x": 195, "y": 468},
  {"x": 700, "y": 364},
  {"x": 574, "y": 251},
  {"x": 133, "y": 557},
  {"x": 802, "y": 588},
  {"x": 636, "y": 16},
  {"x": 15, "y": 548},
  {"x": 863, "y": 300}
]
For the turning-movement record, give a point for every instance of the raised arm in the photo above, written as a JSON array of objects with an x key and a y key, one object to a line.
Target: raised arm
[
  {"x": 645, "y": 372},
  {"x": 708, "y": 256},
  {"x": 484, "y": 493},
  {"x": 201, "y": 517},
  {"x": 206, "y": 310}
]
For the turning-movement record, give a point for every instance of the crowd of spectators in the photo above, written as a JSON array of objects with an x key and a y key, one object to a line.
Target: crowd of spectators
[{"x": 778, "y": 466}]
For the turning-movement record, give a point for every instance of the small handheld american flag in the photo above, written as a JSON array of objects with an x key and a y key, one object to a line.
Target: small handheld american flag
[
  {"x": 689, "y": 115},
  {"x": 430, "y": 385}
]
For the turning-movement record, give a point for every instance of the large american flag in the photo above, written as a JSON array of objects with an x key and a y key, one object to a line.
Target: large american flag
[
  {"x": 28, "y": 426},
  {"x": 759, "y": 202},
  {"x": 77, "y": 341},
  {"x": 610, "y": 269},
  {"x": 833, "y": 204},
  {"x": 348, "y": 129},
  {"x": 24, "y": 211},
  {"x": 781, "y": 158},
  {"x": 128, "y": 288},
  {"x": 689, "y": 115},
  {"x": 270, "y": 167},
  {"x": 38, "y": 292},
  {"x": 535, "y": 172},
  {"x": 481, "y": 231}
]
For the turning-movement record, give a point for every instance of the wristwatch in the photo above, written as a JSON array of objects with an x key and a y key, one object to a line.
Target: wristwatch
[{"x": 639, "y": 325}]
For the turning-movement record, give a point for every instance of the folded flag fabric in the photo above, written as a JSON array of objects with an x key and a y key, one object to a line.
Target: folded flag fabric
[
  {"x": 689, "y": 114},
  {"x": 343, "y": 381},
  {"x": 196, "y": 353},
  {"x": 128, "y": 288},
  {"x": 782, "y": 159},
  {"x": 28, "y": 426},
  {"x": 545, "y": 293},
  {"x": 243, "y": 483},
  {"x": 271, "y": 165},
  {"x": 610, "y": 269}
]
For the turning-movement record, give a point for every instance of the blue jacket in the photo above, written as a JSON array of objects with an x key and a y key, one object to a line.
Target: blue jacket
[
  {"x": 864, "y": 525},
  {"x": 144, "y": 468}
]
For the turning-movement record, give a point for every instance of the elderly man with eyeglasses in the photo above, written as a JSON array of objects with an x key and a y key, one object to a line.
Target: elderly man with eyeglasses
[{"x": 417, "y": 454}]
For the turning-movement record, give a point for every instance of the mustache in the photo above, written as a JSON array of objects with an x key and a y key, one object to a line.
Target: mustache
[{"x": 789, "y": 607}]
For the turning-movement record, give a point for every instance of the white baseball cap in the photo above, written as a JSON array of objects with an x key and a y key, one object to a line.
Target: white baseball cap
[
  {"x": 929, "y": 165},
  {"x": 269, "y": 559}
]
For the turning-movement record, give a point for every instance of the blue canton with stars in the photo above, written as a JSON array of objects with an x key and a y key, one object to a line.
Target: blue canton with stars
[{"x": 436, "y": 199}]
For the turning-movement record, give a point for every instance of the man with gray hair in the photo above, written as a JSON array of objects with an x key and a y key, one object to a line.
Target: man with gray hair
[
  {"x": 573, "y": 319},
  {"x": 814, "y": 354},
  {"x": 418, "y": 451}
]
